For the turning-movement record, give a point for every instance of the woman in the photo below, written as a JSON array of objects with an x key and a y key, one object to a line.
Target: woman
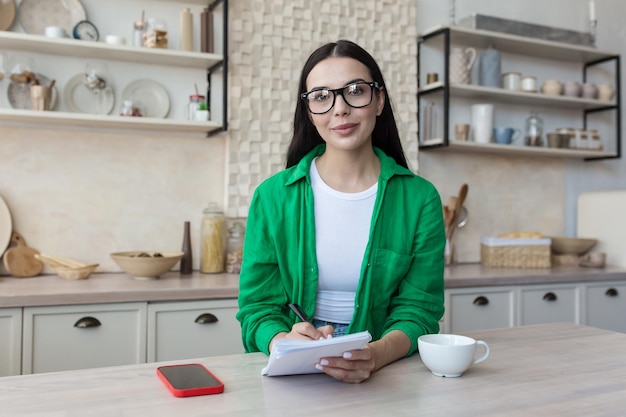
[{"x": 346, "y": 231}]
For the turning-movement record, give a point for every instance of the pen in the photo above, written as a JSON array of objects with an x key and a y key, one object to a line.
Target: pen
[{"x": 296, "y": 309}]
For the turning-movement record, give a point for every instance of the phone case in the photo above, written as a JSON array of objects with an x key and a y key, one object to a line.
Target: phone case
[{"x": 179, "y": 380}]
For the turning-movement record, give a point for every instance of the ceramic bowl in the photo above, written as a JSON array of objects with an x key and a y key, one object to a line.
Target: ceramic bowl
[
  {"x": 572, "y": 245},
  {"x": 146, "y": 264},
  {"x": 552, "y": 88}
]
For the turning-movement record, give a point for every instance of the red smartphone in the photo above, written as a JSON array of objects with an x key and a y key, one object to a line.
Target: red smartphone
[{"x": 191, "y": 379}]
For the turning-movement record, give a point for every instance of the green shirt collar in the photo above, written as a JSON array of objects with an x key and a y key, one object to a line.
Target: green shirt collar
[{"x": 388, "y": 166}]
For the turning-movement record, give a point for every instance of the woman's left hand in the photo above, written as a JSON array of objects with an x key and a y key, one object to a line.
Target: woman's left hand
[{"x": 354, "y": 367}]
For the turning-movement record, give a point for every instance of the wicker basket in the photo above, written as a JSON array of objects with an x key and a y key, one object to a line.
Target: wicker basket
[{"x": 515, "y": 253}]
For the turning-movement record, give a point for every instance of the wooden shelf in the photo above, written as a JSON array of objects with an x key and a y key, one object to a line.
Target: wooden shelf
[
  {"x": 100, "y": 50},
  {"x": 521, "y": 45},
  {"x": 517, "y": 97},
  {"x": 513, "y": 150},
  {"x": 66, "y": 119}
]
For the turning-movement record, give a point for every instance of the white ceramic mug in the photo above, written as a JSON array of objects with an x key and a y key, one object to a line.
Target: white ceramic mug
[
  {"x": 529, "y": 84},
  {"x": 55, "y": 32},
  {"x": 449, "y": 355},
  {"x": 482, "y": 122}
]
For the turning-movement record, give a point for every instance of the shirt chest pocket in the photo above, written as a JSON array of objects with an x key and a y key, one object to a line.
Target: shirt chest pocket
[{"x": 388, "y": 270}]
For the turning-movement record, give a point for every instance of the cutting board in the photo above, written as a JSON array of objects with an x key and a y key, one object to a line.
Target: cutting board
[
  {"x": 20, "y": 260},
  {"x": 602, "y": 215}
]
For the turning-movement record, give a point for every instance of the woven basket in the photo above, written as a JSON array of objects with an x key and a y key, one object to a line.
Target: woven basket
[{"x": 516, "y": 256}]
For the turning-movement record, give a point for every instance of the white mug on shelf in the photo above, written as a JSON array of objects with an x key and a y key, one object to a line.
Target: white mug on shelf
[{"x": 482, "y": 122}]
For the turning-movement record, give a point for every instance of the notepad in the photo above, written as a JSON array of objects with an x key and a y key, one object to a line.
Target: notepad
[{"x": 293, "y": 357}]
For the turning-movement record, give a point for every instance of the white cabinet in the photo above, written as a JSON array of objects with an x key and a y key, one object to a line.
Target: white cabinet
[
  {"x": 549, "y": 304},
  {"x": 605, "y": 305},
  {"x": 83, "y": 336},
  {"x": 193, "y": 329},
  {"x": 597, "y": 304},
  {"x": 10, "y": 341},
  {"x": 478, "y": 308}
]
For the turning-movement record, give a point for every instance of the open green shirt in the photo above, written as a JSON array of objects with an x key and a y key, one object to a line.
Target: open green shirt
[{"x": 401, "y": 282}]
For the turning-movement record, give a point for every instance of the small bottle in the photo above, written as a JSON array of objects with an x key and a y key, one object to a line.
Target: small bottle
[
  {"x": 213, "y": 240},
  {"x": 534, "y": 130},
  {"x": 186, "y": 262},
  {"x": 234, "y": 253},
  {"x": 127, "y": 109},
  {"x": 186, "y": 30},
  {"x": 196, "y": 102},
  {"x": 139, "y": 28},
  {"x": 206, "y": 31}
]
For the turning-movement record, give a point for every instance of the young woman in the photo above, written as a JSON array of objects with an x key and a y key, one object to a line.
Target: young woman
[{"x": 346, "y": 231}]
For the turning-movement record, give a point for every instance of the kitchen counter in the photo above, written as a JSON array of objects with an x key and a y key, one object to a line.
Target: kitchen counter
[
  {"x": 555, "y": 369},
  {"x": 47, "y": 290},
  {"x": 476, "y": 275}
]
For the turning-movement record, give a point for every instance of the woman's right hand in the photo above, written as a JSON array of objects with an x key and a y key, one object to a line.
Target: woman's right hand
[{"x": 305, "y": 331}]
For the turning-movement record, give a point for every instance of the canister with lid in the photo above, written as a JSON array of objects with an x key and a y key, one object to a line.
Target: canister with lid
[
  {"x": 196, "y": 102},
  {"x": 213, "y": 240},
  {"x": 234, "y": 252}
]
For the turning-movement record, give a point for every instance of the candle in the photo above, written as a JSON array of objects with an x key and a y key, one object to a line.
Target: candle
[{"x": 592, "y": 10}]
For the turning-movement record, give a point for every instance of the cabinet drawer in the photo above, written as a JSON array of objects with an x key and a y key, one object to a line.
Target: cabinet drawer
[
  {"x": 10, "y": 341},
  {"x": 606, "y": 306},
  {"x": 193, "y": 329},
  {"x": 549, "y": 304},
  {"x": 83, "y": 336},
  {"x": 487, "y": 308}
]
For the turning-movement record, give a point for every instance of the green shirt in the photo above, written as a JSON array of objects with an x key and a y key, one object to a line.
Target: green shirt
[{"x": 401, "y": 282}]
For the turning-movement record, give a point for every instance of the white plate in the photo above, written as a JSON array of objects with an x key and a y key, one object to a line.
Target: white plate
[
  {"x": 80, "y": 99},
  {"x": 36, "y": 15},
  {"x": 19, "y": 94},
  {"x": 151, "y": 97},
  {"x": 6, "y": 226}
]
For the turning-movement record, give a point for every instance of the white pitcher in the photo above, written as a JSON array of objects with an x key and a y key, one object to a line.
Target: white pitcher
[{"x": 461, "y": 61}]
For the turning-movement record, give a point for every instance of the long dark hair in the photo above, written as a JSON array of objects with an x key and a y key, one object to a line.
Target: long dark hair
[{"x": 305, "y": 136}]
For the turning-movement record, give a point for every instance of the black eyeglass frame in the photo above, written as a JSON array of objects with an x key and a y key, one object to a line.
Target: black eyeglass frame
[{"x": 373, "y": 85}]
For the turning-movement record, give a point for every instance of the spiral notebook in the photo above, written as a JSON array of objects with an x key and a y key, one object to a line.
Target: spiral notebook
[{"x": 293, "y": 357}]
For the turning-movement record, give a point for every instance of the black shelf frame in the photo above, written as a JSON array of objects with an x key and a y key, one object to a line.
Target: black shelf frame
[
  {"x": 222, "y": 65},
  {"x": 445, "y": 88}
]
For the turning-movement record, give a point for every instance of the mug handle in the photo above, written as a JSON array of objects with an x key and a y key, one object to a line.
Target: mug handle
[
  {"x": 485, "y": 355},
  {"x": 473, "y": 54}
]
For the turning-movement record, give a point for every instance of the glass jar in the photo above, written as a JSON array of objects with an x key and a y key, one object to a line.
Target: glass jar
[
  {"x": 534, "y": 130},
  {"x": 138, "y": 32},
  {"x": 234, "y": 248},
  {"x": 196, "y": 102},
  {"x": 213, "y": 240},
  {"x": 155, "y": 35}
]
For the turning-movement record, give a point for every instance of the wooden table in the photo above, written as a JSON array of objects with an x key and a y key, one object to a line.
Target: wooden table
[{"x": 546, "y": 370}]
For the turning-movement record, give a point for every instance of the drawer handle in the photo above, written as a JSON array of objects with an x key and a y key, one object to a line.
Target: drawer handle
[
  {"x": 481, "y": 301},
  {"x": 611, "y": 292},
  {"x": 87, "y": 322},
  {"x": 206, "y": 318},
  {"x": 550, "y": 296}
]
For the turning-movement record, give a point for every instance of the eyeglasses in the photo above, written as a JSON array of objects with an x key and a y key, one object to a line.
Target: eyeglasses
[{"x": 356, "y": 95}]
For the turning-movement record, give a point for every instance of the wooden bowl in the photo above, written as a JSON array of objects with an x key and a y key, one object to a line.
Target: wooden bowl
[
  {"x": 75, "y": 273},
  {"x": 572, "y": 245},
  {"x": 148, "y": 266}
]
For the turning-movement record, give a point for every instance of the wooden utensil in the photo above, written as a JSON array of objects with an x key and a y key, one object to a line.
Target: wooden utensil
[
  {"x": 460, "y": 199},
  {"x": 20, "y": 260}
]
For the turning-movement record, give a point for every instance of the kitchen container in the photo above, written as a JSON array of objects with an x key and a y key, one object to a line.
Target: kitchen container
[
  {"x": 534, "y": 130},
  {"x": 515, "y": 253},
  {"x": 234, "y": 250},
  {"x": 213, "y": 243},
  {"x": 196, "y": 102}
]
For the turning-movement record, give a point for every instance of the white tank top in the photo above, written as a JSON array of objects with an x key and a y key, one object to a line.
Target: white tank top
[{"x": 342, "y": 227}]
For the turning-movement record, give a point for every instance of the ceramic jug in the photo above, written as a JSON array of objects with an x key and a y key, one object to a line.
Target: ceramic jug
[
  {"x": 461, "y": 62},
  {"x": 489, "y": 68}
]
